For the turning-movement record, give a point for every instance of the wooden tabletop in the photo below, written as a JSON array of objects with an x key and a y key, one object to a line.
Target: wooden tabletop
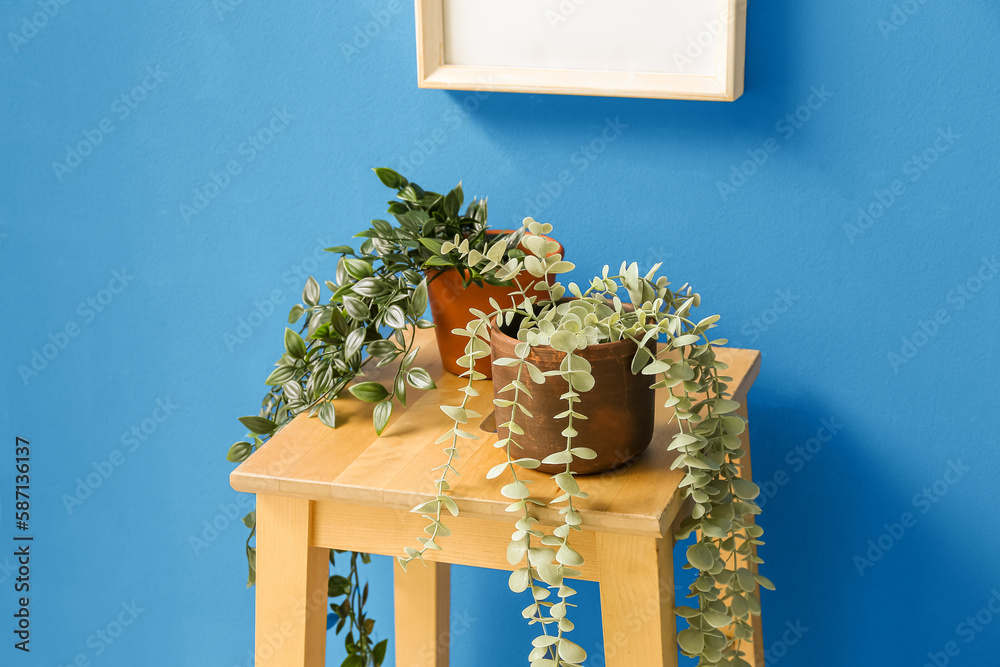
[{"x": 351, "y": 465}]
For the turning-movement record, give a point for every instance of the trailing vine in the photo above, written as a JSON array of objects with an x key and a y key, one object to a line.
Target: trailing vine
[
  {"x": 376, "y": 304},
  {"x": 707, "y": 442},
  {"x": 350, "y": 612}
]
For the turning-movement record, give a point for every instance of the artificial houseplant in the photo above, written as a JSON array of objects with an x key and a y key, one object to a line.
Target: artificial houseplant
[
  {"x": 707, "y": 439},
  {"x": 377, "y": 300}
]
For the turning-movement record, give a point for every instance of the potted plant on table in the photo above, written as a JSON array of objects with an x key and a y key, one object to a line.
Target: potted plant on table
[
  {"x": 546, "y": 352},
  {"x": 378, "y": 297}
]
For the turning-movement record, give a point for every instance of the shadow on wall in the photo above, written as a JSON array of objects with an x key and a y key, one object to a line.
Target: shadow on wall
[
  {"x": 833, "y": 511},
  {"x": 779, "y": 101},
  {"x": 772, "y": 88}
]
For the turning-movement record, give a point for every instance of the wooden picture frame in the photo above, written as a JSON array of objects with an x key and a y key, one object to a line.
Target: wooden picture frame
[{"x": 489, "y": 45}]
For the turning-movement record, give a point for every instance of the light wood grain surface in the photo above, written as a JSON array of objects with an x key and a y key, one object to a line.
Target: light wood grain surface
[
  {"x": 637, "y": 601},
  {"x": 423, "y": 604},
  {"x": 349, "y": 465},
  {"x": 291, "y": 587}
]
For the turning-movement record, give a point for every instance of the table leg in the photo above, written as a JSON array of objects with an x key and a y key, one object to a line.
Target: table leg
[
  {"x": 291, "y": 586},
  {"x": 423, "y": 604},
  {"x": 637, "y": 600}
]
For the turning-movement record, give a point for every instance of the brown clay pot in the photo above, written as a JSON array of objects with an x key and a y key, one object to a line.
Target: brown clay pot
[
  {"x": 619, "y": 409},
  {"x": 450, "y": 302}
]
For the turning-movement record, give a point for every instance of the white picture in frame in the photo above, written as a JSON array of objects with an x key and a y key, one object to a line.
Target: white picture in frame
[{"x": 677, "y": 49}]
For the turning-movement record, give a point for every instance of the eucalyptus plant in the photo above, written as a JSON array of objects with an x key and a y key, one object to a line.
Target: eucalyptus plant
[
  {"x": 707, "y": 442},
  {"x": 377, "y": 300}
]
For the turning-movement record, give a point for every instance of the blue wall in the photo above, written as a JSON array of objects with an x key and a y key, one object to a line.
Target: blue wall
[{"x": 880, "y": 366}]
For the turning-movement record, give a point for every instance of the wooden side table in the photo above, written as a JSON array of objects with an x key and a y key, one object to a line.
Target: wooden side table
[{"x": 319, "y": 488}]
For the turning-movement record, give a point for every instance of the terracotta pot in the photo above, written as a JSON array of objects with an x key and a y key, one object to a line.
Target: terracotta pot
[
  {"x": 450, "y": 302},
  {"x": 619, "y": 408}
]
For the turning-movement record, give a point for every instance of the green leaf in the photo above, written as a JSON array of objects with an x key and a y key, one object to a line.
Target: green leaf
[
  {"x": 571, "y": 652},
  {"x": 534, "y": 266},
  {"x": 358, "y": 268},
  {"x": 744, "y": 489},
  {"x": 432, "y": 244},
  {"x": 310, "y": 293},
  {"x": 383, "y": 227},
  {"x": 641, "y": 358},
  {"x": 519, "y": 580},
  {"x": 327, "y": 414},
  {"x": 295, "y": 313},
  {"x": 399, "y": 387},
  {"x": 535, "y": 245},
  {"x": 353, "y": 342},
  {"x": 449, "y": 503},
  {"x": 717, "y": 620},
  {"x": 280, "y": 375},
  {"x": 239, "y": 452},
  {"x": 258, "y": 425},
  {"x": 390, "y": 178},
  {"x": 563, "y": 456},
  {"x": 562, "y": 267},
  {"x": 381, "y": 416},
  {"x": 341, "y": 249},
  {"x": 437, "y": 261},
  {"x": 567, "y": 483},
  {"x": 681, "y": 371},
  {"x": 544, "y": 640},
  {"x": 733, "y": 425},
  {"x": 370, "y": 287},
  {"x": 718, "y": 528},
  {"x": 429, "y": 507},
  {"x": 369, "y": 392},
  {"x": 420, "y": 379},
  {"x": 496, "y": 252},
  {"x": 409, "y": 357},
  {"x": 582, "y": 381},
  {"x": 739, "y": 606},
  {"x": 456, "y": 413},
  {"x": 564, "y": 341},
  {"x": 252, "y": 566},
  {"x": 409, "y": 193},
  {"x": 294, "y": 344},
  {"x": 656, "y": 367},
  {"x": 453, "y": 201},
  {"x": 418, "y": 302},
  {"x": 515, "y": 491},
  {"x": 691, "y": 641},
  {"x": 355, "y": 307},
  {"x": 381, "y": 348},
  {"x": 687, "y": 612},
  {"x": 250, "y": 520},
  {"x": 395, "y": 317},
  {"x": 496, "y": 470},
  {"x": 700, "y": 556},
  {"x": 378, "y": 653},
  {"x": 723, "y": 406},
  {"x": 536, "y": 374},
  {"x": 337, "y": 585},
  {"x": 569, "y": 556},
  {"x": 516, "y": 550}
]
